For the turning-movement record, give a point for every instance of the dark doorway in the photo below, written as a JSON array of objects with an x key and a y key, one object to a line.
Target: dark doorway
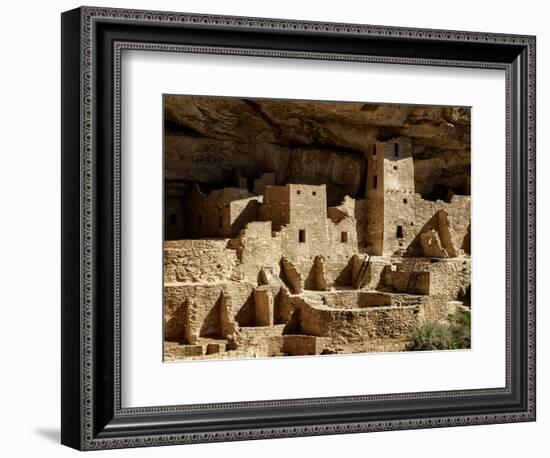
[
  {"x": 399, "y": 232},
  {"x": 250, "y": 183}
]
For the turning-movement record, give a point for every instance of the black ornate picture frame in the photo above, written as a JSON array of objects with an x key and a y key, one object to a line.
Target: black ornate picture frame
[{"x": 92, "y": 42}]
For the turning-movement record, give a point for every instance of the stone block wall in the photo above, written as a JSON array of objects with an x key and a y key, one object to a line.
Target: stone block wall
[
  {"x": 222, "y": 213},
  {"x": 284, "y": 306},
  {"x": 198, "y": 261},
  {"x": 306, "y": 233},
  {"x": 309, "y": 233},
  {"x": 458, "y": 221},
  {"x": 357, "y": 299},
  {"x": 263, "y": 306},
  {"x": 442, "y": 278},
  {"x": 362, "y": 224},
  {"x": 389, "y": 189},
  {"x": 242, "y": 211},
  {"x": 449, "y": 278},
  {"x": 258, "y": 248},
  {"x": 291, "y": 276},
  {"x": 201, "y": 310},
  {"x": 299, "y": 345},
  {"x": 190, "y": 311},
  {"x": 353, "y": 326},
  {"x": 374, "y": 206},
  {"x": 275, "y": 206},
  {"x": 373, "y": 277},
  {"x": 343, "y": 236},
  {"x": 437, "y": 309},
  {"x": 399, "y": 209},
  {"x": 392, "y": 216},
  {"x": 406, "y": 280}
]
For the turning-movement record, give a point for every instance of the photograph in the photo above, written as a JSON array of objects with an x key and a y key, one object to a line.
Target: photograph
[{"x": 314, "y": 227}]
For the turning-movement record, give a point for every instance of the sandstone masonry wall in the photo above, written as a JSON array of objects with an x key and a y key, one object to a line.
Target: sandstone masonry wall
[
  {"x": 357, "y": 299},
  {"x": 407, "y": 281},
  {"x": 458, "y": 215},
  {"x": 276, "y": 206},
  {"x": 222, "y": 213},
  {"x": 198, "y": 261},
  {"x": 258, "y": 248},
  {"x": 399, "y": 209},
  {"x": 448, "y": 278},
  {"x": 195, "y": 310},
  {"x": 389, "y": 190},
  {"x": 352, "y": 326}
]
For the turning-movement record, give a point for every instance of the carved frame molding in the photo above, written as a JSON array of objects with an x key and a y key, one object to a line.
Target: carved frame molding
[{"x": 92, "y": 414}]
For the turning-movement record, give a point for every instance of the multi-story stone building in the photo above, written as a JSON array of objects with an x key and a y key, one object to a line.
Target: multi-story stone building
[{"x": 389, "y": 194}]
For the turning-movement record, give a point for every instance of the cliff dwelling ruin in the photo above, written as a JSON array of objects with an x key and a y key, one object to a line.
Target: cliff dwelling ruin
[{"x": 311, "y": 228}]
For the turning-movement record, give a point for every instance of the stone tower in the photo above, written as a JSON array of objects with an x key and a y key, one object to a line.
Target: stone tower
[
  {"x": 389, "y": 192},
  {"x": 301, "y": 209}
]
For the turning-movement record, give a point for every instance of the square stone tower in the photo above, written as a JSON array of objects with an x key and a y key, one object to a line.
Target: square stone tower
[
  {"x": 296, "y": 204},
  {"x": 389, "y": 191},
  {"x": 299, "y": 211}
]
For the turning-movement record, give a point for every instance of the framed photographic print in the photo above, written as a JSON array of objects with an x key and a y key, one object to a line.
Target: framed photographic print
[{"x": 277, "y": 228}]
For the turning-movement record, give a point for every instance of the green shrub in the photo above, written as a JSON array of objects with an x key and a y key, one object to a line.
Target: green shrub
[
  {"x": 437, "y": 336},
  {"x": 460, "y": 326},
  {"x": 431, "y": 336}
]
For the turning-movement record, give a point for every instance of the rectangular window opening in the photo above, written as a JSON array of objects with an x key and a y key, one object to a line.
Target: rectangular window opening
[
  {"x": 399, "y": 232},
  {"x": 396, "y": 149},
  {"x": 302, "y": 236},
  {"x": 375, "y": 182},
  {"x": 344, "y": 237}
]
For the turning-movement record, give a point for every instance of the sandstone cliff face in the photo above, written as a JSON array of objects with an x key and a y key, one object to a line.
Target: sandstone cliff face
[{"x": 207, "y": 139}]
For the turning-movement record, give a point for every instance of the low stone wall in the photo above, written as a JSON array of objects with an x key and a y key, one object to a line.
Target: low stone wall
[
  {"x": 198, "y": 261},
  {"x": 299, "y": 345},
  {"x": 444, "y": 278},
  {"x": 174, "y": 351},
  {"x": 357, "y": 299},
  {"x": 352, "y": 326},
  {"x": 405, "y": 280},
  {"x": 437, "y": 309},
  {"x": 450, "y": 277},
  {"x": 196, "y": 310},
  {"x": 372, "y": 278},
  {"x": 337, "y": 271}
]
